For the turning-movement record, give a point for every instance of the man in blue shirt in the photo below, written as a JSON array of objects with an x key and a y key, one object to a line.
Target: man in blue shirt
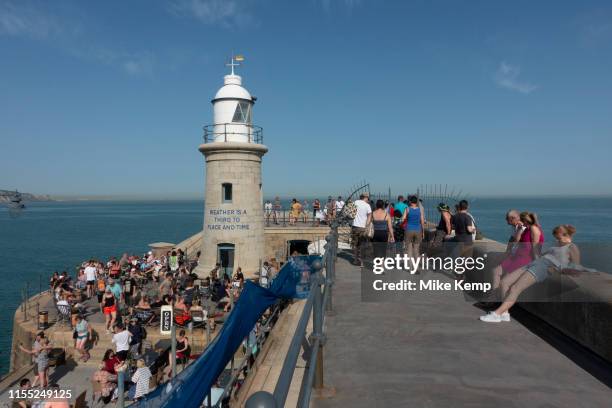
[
  {"x": 115, "y": 287},
  {"x": 400, "y": 205}
]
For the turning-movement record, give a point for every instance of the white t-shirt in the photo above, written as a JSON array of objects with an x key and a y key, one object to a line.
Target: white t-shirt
[
  {"x": 339, "y": 205},
  {"x": 122, "y": 340},
  {"x": 361, "y": 217},
  {"x": 90, "y": 273}
]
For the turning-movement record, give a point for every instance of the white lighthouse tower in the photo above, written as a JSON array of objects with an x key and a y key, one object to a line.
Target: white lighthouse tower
[{"x": 233, "y": 212}]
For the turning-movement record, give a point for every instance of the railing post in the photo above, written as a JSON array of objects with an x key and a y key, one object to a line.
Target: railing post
[
  {"x": 121, "y": 388},
  {"x": 317, "y": 330},
  {"x": 173, "y": 349}
]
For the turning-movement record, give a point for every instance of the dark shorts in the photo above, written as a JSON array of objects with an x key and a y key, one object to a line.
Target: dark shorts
[
  {"x": 122, "y": 355},
  {"x": 91, "y": 282}
]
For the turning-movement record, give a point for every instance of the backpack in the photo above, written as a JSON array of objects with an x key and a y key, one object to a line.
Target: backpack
[{"x": 350, "y": 210}]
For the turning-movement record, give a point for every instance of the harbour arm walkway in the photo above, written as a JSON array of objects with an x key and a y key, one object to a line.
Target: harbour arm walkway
[{"x": 430, "y": 350}]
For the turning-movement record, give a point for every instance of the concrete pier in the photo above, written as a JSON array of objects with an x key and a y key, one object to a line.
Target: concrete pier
[{"x": 430, "y": 350}]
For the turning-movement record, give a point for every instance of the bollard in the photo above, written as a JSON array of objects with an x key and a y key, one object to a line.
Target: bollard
[
  {"x": 173, "y": 351},
  {"x": 261, "y": 399}
]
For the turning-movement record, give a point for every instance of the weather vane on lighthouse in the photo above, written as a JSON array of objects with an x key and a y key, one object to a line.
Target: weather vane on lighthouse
[{"x": 235, "y": 61}]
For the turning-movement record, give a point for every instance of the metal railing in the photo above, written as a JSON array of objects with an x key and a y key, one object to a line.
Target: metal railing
[
  {"x": 318, "y": 302},
  {"x": 30, "y": 302},
  {"x": 223, "y": 132},
  {"x": 284, "y": 217}
]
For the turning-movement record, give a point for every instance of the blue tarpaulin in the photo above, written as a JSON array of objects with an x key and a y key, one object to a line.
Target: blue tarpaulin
[{"x": 190, "y": 387}]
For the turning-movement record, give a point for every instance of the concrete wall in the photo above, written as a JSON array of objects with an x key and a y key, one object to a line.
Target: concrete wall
[
  {"x": 276, "y": 239},
  {"x": 587, "y": 322}
]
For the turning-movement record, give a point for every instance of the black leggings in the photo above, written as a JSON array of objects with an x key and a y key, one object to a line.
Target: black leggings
[{"x": 379, "y": 242}]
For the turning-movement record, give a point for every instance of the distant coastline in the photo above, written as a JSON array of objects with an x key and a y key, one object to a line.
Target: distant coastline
[{"x": 5, "y": 196}]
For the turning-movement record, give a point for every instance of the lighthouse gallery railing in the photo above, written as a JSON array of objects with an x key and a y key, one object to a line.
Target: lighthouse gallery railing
[{"x": 223, "y": 132}]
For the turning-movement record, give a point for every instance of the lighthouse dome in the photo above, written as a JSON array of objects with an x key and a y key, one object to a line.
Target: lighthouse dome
[{"x": 232, "y": 89}]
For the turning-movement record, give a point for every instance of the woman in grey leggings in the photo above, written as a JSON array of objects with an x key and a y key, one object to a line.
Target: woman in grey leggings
[{"x": 564, "y": 255}]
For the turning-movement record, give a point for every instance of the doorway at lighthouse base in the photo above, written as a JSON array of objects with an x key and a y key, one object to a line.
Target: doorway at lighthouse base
[
  {"x": 281, "y": 242},
  {"x": 225, "y": 257}
]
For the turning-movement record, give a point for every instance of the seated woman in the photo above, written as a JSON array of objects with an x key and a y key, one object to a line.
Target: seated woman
[
  {"x": 197, "y": 307},
  {"x": 527, "y": 248},
  {"x": 111, "y": 361},
  {"x": 143, "y": 311},
  {"x": 183, "y": 351},
  {"x": 181, "y": 312},
  {"x": 107, "y": 382},
  {"x": 564, "y": 255}
]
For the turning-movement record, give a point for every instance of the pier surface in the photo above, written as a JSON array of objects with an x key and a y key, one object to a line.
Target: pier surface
[{"x": 430, "y": 350}]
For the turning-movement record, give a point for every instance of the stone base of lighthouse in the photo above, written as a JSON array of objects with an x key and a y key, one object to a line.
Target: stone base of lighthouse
[{"x": 233, "y": 211}]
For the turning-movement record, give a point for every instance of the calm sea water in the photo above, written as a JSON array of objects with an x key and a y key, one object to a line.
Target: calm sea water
[{"x": 60, "y": 235}]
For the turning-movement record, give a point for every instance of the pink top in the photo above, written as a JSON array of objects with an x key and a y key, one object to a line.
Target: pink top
[{"x": 522, "y": 256}]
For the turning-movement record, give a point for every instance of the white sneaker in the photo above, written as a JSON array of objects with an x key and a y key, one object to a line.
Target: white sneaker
[
  {"x": 505, "y": 317},
  {"x": 491, "y": 317}
]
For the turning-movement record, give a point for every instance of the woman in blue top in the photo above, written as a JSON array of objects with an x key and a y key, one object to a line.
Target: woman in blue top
[{"x": 414, "y": 227}]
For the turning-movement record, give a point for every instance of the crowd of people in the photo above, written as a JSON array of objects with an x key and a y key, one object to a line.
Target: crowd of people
[
  {"x": 317, "y": 213},
  {"x": 130, "y": 292},
  {"x": 401, "y": 227}
]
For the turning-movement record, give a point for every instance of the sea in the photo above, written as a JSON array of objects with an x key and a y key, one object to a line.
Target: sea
[{"x": 57, "y": 236}]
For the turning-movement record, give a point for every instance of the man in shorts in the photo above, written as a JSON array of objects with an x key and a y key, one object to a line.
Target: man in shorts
[
  {"x": 363, "y": 217},
  {"x": 268, "y": 211},
  {"x": 91, "y": 273},
  {"x": 121, "y": 340}
]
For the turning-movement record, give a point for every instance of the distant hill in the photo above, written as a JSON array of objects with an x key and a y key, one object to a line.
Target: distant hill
[{"x": 5, "y": 196}]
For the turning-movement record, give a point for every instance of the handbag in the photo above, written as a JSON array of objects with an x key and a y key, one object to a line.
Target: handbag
[{"x": 369, "y": 232}]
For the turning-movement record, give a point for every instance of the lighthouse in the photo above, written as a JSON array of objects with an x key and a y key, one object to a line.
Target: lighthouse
[{"x": 233, "y": 234}]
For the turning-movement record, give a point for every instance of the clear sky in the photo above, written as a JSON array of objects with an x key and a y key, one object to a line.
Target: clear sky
[{"x": 491, "y": 97}]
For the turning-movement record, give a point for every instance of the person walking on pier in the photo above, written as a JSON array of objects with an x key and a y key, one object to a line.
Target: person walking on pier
[
  {"x": 121, "y": 340},
  {"x": 415, "y": 227},
  {"x": 400, "y": 205},
  {"x": 277, "y": 209},
  {"x": 445, "y": 227},
  {"x": 383, "y": 230},
  {"x": 316, "y": 213},
  {"x": 294, "y": 213},
  {"x": 83, "y": 333},
  {"x": 91, "y": 273},
  {"x": 268, "y": 211},
  {"x": 463, "y": 224},
  {"x": 363, "y": 217},
  {"x": 339, "y": 206},
  {"x": 109, "y": 308},
  {"x": 560, "y": 257},
  {"x": 304, "y": 211},
  {"x": 41, "y": 359}
]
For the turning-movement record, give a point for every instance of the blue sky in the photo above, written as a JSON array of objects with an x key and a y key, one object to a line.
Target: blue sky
[{"x": 495, "y": 98}]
